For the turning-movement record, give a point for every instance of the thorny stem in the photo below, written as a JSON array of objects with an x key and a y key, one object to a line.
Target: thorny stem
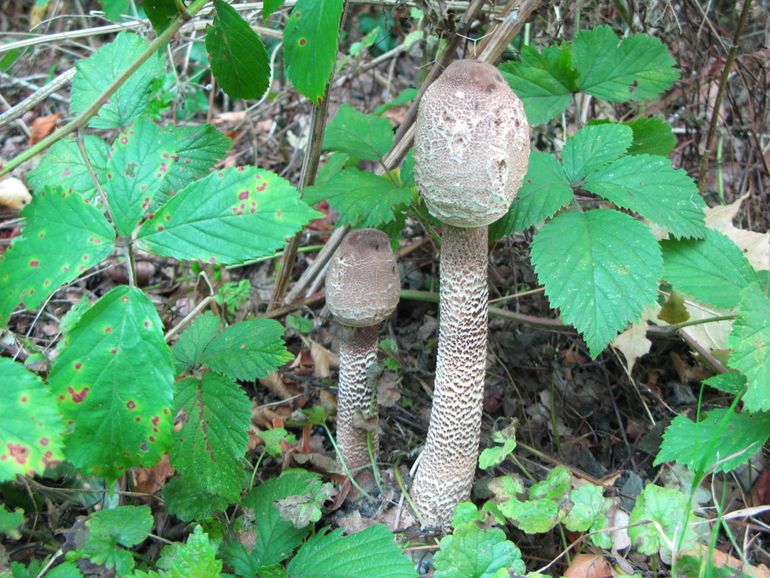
[
  {"x": 721, "y": 94},
  {"x": 82, "y": 119}
]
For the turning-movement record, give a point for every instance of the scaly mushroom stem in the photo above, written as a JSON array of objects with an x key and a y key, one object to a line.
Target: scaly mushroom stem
[
  {"x": 358, "y": 351},
  {"x": 448, "y": 462}
]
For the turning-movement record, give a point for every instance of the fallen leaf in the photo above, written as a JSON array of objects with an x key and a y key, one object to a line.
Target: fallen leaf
[
  {"x": 633, "y": 342},
  {"x": 588, "y": 566},
  {"x": 323, "y": 360},
  {"x": 14, "y": 194},
  {"x": 42, "y": 126},
  {"x": 756, "y": 246},
  {"x": 151, "y": 480}
]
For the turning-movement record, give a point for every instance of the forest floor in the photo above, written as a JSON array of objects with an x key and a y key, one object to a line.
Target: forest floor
[{"x": 597, "y": 417}]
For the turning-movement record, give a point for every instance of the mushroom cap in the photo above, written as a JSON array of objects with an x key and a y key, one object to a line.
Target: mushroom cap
[
  {"x": 363, "y": 283},
  {"x": 471, "y": 145}
]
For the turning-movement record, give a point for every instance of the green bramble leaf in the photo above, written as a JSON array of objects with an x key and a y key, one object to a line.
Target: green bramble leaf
[
  {"x": 506, "y": 443},
  {"x": 30, "y": 427},
  {"x": 63, "y": 237},
  {"x": 589, "y": 513},
  {"x": 196, "y": 558},
  {"x": 188, "y": 350},
  {"x": 209, "y": 447},
  {"x": 470, "y": 552},
  {"x": 332, "y": 554},
  {"x": 363, "y": 199},
  {"x": 310, "y": 45},
  {"x": 10, "y": 521},
  {"x": 652, "y": 136},
  {"x": 138, "y": 162},
  {"x": 238, "y": 58},
  {"x": 270, "y": 6},
  {"x": 669, "y": 510},
  {"x": 362, "y": 136},
  {"x": 722, "y": 440},
  {"x": 273, "y": 538},
  {"x": 592, "y": 148},
  {"x": 637, "y": 67},
  {"x": 196, "y": 150},
  {"x": 108, "y": 530},
  {"x": 215, "y": 218},
  {"x": 186, "y": 500},
  {"x": 113, "y": 381},
  {"x": 600, "y": 268},
  {"x": 63, "y": 166},
  {"x": 161, "y": 13},
  {"x": 750, "y": 342},
  {"x": 732, "y": 383},
  {"x": 97, "y": 72},
  {"x": 713, "y": 270},
  {"x": 247, "y": 350},
  {"x": 543, "y": 81},
  {"x": 545, "y": 191},
  {"x": 114, "y": 9},
  {"x": 650, "y": 186}
]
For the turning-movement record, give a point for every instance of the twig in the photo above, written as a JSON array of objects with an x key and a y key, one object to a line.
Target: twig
[
  {"x": 189, "y": 317},
  {"x": 320, "y": 261},
  {"x": 39, "y": 95},
  {"x": 721, "y": 94}
]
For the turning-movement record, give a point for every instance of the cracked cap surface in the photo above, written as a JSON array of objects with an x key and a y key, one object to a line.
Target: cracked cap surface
[
  {"x": 363, "y": 283},
  {"x": 471, "y": 145}
]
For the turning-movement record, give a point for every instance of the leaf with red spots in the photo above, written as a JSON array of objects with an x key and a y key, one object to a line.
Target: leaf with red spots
[
  {"x": 227, "y": 217},
  {"x": 64, "y": 236},
  {"x": 209, "y": 447},
  {"x": 238, "y": 58},
  {"x": 196, "y": 150},
  {"x": 114, "y": 384},
  {"x": 140, "y": 159},
  {"x": 63, "y": 166},
  {"x": 310, "y": 45},
  {"x": 95, "y": 73},
  {"x": 30, "y": 426},
  {"x": 247, "y": 350}
]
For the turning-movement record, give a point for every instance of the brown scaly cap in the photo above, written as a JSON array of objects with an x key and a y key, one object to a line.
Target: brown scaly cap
[
  {"x": 362, "y": 285},
  {"x": 471, "y": 145}
]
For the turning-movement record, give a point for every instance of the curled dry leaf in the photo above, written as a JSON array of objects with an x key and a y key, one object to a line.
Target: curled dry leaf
[
  {"x": 42, "y": 126},
  {"x": 151, "y": 480},
  {"x": 589, "y": 566},
  {"x": 14, "y": 194}
]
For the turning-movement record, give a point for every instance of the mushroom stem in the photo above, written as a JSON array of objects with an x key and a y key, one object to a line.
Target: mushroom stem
[
  {"x": 448, "y": 462},
  {"x": 358, "y": 351}
]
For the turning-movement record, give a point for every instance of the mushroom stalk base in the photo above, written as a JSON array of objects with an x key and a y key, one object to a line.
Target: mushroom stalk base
[
  {"x": 358, "y": 351},
  {"x": 448, "y": 462}
]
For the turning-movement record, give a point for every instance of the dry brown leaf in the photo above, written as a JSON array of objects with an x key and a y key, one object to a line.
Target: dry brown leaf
[
  {"x": 756, "y": 246},
  {"x": 323, "y": 360},
  {"x": 14, "y": 194},
  {"x": 721, "y": 559},
  {"x": 152, "y": 480},
  {"x": 589, "y": 566},
  {"x": 42, "y": 126}
]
